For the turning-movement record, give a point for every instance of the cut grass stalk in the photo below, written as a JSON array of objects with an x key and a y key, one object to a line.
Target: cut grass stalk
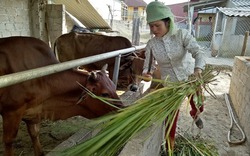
[{"x": 155, "y": 108}]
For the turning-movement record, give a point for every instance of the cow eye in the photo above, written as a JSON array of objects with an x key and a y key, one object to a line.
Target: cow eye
[{"x": 105, "y": 95}]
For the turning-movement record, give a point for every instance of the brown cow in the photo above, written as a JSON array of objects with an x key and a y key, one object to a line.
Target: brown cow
[
  {"x": 78, "y": 45},
  {"x": 136, "y": 65},
  {"x": 51, "y": 97}
]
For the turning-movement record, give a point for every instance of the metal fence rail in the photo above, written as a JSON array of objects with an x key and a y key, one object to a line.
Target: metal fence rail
[{"x": 10, "y": 79}]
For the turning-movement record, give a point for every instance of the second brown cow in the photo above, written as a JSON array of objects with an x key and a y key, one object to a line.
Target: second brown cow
[{"x": 79, "y": 45}]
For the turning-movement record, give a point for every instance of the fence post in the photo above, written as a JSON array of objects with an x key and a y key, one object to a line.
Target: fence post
[
  {"x": 136, "y": 33},
  {"x": 116, "y": 69},
  {"x": 190, "y": 18},
  {"x": 244, "y": 47}
]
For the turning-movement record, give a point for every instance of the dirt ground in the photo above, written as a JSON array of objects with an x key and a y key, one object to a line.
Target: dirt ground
[
  {"x": 51, "y": 135},
  {"x": 215, "y": 118}
]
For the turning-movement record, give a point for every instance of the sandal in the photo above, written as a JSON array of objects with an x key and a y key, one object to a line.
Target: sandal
[{"x": 199, "y": 123}]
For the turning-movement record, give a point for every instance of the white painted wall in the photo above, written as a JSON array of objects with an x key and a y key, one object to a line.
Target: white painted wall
[{"x": 14, "y": 18}]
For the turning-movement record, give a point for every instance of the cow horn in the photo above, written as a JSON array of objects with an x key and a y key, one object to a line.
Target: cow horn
[
  {"x": 83, "y": 71},
  {"x": 105, "y": 67},
  {"x": 104, "y": 70},
  {"x": 93, "y": 75},
  {"x": 125, "y": 65},
  {"x": 135, "y": 54},
  {"x": 130, "y": 58}
]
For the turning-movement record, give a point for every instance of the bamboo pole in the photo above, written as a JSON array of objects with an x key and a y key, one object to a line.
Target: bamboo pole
[{"x": 244, "y": 47}]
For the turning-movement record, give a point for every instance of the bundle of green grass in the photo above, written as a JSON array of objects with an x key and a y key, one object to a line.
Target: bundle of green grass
[{"x": 120, "y": 127}]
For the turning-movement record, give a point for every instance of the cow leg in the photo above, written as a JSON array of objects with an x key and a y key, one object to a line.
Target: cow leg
[
  {"x": 33, "y": 130},
  {"x": 11, "y": 123}
]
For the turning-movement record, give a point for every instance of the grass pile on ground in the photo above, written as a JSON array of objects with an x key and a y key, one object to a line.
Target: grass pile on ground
[
  {"x": 120, "y": 127},
  {"x": 191, "y": 146}
]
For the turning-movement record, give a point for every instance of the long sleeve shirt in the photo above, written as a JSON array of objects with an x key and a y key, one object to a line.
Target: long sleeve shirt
[{"x": 177, "y": 55}]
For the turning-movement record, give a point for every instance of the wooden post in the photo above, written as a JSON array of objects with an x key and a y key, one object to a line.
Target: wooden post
[{"x": 244, "y": 47}]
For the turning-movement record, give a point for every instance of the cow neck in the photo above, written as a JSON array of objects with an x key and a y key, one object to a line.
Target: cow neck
[
  {"x": 65, "y": 96},
  {"x": 66, "y": 81},
  {"x": 84, "y": 95}
]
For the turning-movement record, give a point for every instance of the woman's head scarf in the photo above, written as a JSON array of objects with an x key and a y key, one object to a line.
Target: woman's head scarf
[{"x": 157, "y": 11}]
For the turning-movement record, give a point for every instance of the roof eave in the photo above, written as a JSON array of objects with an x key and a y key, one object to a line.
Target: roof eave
[{"x": 205, "y": 5}]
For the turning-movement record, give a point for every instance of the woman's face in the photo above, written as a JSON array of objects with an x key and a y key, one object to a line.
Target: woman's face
[{"x": 159, "y": 28}]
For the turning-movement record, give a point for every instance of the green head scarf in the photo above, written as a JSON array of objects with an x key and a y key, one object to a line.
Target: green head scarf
[{"x": 157, "y": 11}]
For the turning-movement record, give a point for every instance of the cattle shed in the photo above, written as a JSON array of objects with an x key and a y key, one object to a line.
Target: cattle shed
[
  {"x": 231, "y": 25},
  {"x": 46, "y": 19}
]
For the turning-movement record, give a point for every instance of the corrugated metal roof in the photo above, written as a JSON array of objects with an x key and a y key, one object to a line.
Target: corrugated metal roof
[
  {"x": 207, "y": 4},
  {"x": 242, "y": 12},
  {"x": 85, "y": 13},
  {"x": 241, "y": 3}
]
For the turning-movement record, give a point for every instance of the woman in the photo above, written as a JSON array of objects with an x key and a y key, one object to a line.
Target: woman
[{"x": 173, "y": 50}]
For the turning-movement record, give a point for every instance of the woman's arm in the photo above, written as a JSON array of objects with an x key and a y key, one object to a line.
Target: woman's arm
[{"x": 190, "y": 44}]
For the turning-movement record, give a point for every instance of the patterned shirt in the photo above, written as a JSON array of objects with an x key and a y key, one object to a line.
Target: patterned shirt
[{"x": 177, "y": 55}]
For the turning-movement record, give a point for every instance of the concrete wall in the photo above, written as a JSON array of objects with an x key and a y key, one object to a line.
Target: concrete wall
[
  {"x": 14, "y": 17},
  {"x": 232, "y": 44},
  {"x": 147, "y": 143},
  {"x": 239, "y": 92},
  {"x": 36, "y": 18},
  {"x": 23, "y": 18},
  {"x": 56, "y": 21}
]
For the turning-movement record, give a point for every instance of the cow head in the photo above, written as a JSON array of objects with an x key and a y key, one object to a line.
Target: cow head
[
  {"x": 99, "y": 84},
  {"x": 132, "y": 69}
]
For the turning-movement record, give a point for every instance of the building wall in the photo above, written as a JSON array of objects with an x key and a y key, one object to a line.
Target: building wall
[
  {"x": 131, "y": 13},
  {"x": 204, "y": 18},
  {"x": 56, "y": 21},
  {"x": 141, "y": 11},
  {"x": 23, "y": 18},
  {"x": 14, "y": 17},
  {"x": 231, "y": 44},
  {"x": 239, "y": 92}
]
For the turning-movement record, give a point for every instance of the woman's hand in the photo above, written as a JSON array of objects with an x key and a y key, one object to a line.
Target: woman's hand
[
  {"x": 197, "y": 72},
  {"x": 146, "y": 77}
]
